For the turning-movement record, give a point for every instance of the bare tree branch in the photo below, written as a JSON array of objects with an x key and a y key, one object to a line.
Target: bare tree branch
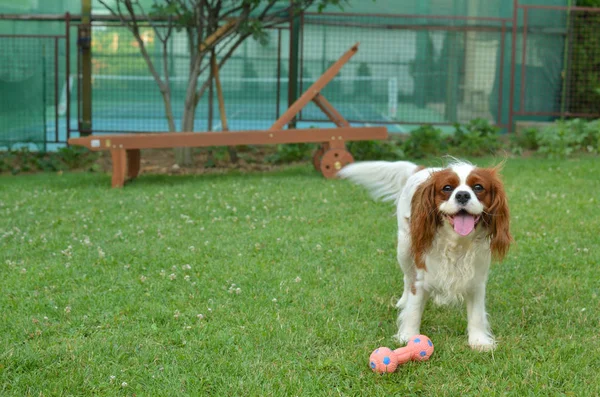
[{"x": 132, "y": 25}]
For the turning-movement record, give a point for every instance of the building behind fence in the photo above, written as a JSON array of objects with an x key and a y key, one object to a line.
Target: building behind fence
[{"x": 420, "y": 62}]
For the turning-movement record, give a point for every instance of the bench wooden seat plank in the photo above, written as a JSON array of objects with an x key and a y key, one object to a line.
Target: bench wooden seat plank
[{"x": 231, "y": 138}]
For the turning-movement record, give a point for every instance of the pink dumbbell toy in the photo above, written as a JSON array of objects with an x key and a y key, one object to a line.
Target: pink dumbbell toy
[{"x": 418, "y": 348}]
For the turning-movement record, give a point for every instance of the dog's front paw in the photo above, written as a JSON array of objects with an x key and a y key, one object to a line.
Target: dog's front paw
[
  {"x": 404, "y": 335},
  {"x": 482, "y": 342}
]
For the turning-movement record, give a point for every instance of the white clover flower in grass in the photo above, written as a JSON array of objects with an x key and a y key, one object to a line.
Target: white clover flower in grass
[
  {"x": 187, "y": 277},
  {"x": 143, "y": 278},
  {"x": 172, "y": 276},
  {"x": 200, "y": 316},
  {"x": 67, "y": 309},
  {"x": 297, "y": 279},
  {"x": 67, "y": 252},
  {"x": 124, "y": 384},
  {"x": 187, "y": 267}
]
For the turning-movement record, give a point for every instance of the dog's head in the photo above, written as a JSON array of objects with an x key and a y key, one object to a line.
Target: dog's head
[{"x": 465, "y": 198}]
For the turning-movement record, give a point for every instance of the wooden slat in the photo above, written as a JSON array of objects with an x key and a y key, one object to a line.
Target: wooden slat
[
  {"x": 330, "y": 111},
  {"x": 119, "y": 166},
  {"x": 314, "y": 89},
  {"x": 203, "y": 139},
  {"x": 133, "y": 163}
]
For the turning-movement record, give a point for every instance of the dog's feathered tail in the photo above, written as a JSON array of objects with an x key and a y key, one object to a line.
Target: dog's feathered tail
[{"x": 384, "y": 180}]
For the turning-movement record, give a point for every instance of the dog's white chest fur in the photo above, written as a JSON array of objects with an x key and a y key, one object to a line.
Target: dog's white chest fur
[{"x": 454, "y": 263}]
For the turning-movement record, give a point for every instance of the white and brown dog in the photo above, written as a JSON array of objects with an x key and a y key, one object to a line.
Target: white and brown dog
[{"x": 451, "y": 222}]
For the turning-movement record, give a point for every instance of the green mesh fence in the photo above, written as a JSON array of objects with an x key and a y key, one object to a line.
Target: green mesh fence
[
  {"x": 419, "y": 62},
  {"x": 126, "y": 97},
  {"x": 33, "y": 74},
  {"x": 24, "y": 83}
]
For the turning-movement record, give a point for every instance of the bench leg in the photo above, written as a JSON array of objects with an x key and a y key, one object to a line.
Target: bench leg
[
  {"x": 133, "y": 163},
  {"x": 119, "y": 165}
]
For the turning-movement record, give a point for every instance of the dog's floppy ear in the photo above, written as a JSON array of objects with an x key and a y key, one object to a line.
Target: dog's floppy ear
[
  {"x": 424, "y": 220},
  {"x": 498, "y": 218}
]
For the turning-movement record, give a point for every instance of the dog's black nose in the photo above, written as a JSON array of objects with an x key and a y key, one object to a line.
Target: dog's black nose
[{"x": 463, "y": 196}]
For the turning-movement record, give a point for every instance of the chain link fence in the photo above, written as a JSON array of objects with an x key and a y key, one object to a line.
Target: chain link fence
[{"x": 526, "y": 62}]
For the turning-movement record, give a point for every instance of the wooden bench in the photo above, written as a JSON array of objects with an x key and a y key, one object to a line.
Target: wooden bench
[{"x": 329, "y": 158}]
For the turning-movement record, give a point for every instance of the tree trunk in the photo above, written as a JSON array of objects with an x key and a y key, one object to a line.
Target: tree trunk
[{"x": 183, "y": 156}]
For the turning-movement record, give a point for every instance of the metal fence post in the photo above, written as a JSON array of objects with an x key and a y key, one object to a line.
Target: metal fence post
[
  {"x": 513, "y": 64},
  {"x": 84, "y": 44},
  {"x": 294, "y": 60}
]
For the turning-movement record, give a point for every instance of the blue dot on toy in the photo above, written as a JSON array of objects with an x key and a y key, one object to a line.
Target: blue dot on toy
[
  {"x": 423, "y": 353},
  {"x": 373, "y": 365},
  {"x": 386, "y": 360},
  {"x": 417, "y": 340},
  {"x": 429, "y": 343}
]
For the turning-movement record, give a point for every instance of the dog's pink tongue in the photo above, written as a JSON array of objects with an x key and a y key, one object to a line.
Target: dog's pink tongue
[{"x": 464, "y": 224}]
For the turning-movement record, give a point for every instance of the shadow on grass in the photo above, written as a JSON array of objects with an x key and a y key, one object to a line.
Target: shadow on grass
[{"x": 99, "y": 180}]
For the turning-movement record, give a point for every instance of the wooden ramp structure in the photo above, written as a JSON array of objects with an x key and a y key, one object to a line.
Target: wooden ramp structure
[{"x": 329, "y": 158}]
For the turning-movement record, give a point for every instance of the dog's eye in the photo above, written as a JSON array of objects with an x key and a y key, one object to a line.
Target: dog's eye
[
  {"x": 478, "y": 188},
  {"x": 447, "y": 188}
]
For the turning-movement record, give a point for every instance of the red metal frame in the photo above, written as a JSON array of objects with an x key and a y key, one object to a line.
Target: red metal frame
[
  {"x": 68, "y": 72},
  {"x": 523, "y": 62},
  {"x": 513, "y": 64},
  {"x": 501, "y": 78},
  {"x": 56, "y": 85},
  {"x": 408, "y": 16},
  {"x": 522, "y": 110}
]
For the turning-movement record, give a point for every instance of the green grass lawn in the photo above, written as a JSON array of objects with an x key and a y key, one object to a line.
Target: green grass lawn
[{"x": 279, "y": 284}]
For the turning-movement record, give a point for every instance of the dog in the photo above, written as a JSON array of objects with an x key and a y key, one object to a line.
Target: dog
[{"x": 452, "y": 222}]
